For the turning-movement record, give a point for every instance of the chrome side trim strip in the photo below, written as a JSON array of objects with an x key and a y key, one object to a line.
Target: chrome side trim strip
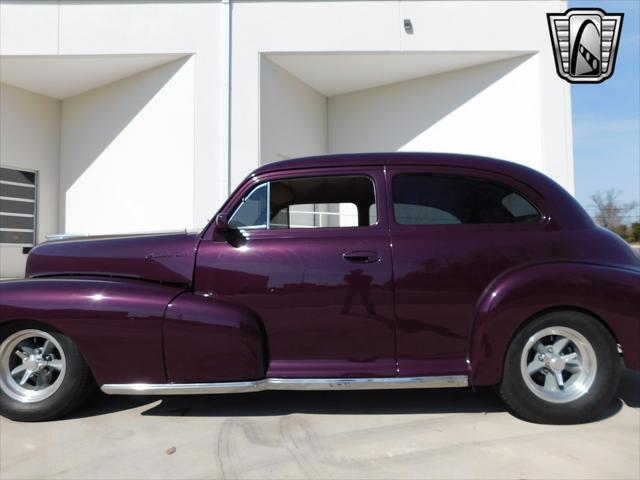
[{"x": 285, "y": 384}]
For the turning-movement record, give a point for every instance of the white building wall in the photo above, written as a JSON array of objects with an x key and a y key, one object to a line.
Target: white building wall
[
  {"x": 268, "y": 27},
  {"x": 127, "y": 154},
  {"x": 117, "y": 28},
  {"x": 29, "y": 28},
  {"x": 95, "y": 28},
  {"x": 496, "y": 25},
  {"x": 263, "y": 27},
  {"x": 260, "y": 28},
  {"x": 29, "y": 139},
  {"x": 484, "y": 110},
  {"x": 293, "y": 116}
]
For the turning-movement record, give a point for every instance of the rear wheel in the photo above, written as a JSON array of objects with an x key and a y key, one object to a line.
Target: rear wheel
[
  {"x": 562, "y": 367},
  {"x": 42, "y": 374}
]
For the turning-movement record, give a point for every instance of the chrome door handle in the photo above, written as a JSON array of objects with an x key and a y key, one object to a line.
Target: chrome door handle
[{"x": 362, "y": 256}]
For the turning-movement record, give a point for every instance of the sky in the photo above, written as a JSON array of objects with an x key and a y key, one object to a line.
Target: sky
[{"x": 606, "y": 118}]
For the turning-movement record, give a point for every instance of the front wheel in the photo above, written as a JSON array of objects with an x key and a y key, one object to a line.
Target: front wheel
[
  {"x": 562, "y": 367},
  {"x": 42, "y": 373}
]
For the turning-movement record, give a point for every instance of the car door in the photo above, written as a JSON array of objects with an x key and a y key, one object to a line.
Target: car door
[
  {"x": 453, "y": 231},
  {"x": 316, "y": 270}
]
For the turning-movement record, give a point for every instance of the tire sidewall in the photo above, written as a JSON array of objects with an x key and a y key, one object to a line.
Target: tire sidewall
[
  {"x": 528, "y": 405},
  {"x": 64, "y": 397}
]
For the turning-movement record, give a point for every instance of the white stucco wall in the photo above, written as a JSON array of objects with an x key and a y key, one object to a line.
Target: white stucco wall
[
  {"x": 261, "y": 27},
  {"x": 485, "y": 110},
  {"x": 262, "y": 125},
  {"x": 164, "y": 27},
  {"x": 123, "y": 28},
  {"x": 466, "y": 26},
  {"x": 127, "y": 155},
  {"x": 29, "y": 28},
  {"x": 293, "y": 116},
  {"x": 518, "y": 26},
  {"x": 29, "y": 139}
]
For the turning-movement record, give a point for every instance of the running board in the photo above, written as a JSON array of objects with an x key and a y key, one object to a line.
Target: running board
[{"x": 285, "y": 384}]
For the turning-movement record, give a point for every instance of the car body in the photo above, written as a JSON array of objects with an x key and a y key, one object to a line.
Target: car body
[{"x": 450, "y": 257}]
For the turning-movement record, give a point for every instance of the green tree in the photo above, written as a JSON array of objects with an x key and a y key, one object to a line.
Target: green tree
[
  {"x": 623, "y": 231},
  {"x": 635, "y": 232}
]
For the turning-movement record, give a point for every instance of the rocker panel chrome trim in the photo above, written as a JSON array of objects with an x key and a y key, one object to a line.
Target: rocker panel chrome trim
[{"x": 285, "y": 384}]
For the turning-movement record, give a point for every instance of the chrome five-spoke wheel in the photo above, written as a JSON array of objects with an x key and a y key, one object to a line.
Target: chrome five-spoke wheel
[
  {"x": 558, "y": 364},
  {"x": 32, "y": 365},
  {"x": 561, "y": 367},
  {"x": 43, "y": 374}
]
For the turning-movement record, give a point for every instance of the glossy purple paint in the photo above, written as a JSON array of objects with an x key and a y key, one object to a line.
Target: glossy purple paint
[
  {"x": 444, "y": 272},
  {"x": 208, "y": 340},
  {"x": 440, "y": 299},
  {"x": 608, "y": 293},
  {"x": 116, "y": 323},
  {"x": 165, "y": 258},
  {"x": 303, "y": 290}
]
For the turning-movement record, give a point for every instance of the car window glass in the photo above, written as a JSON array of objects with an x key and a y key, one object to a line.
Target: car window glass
[
  {"x": 373, "y": 214},
  {"x": 320, "y": 202},
  {"x": 429, "y": 199},
  {"x": 316, "y": 215},
  {"x": 422, "y": 214},
  {"x": 309, "y": 202},
  {"x": 518, "y": 206},
  {"x": 252, "y": 211}
]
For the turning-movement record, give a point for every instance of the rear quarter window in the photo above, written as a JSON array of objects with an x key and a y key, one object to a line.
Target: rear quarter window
[{"x": 432, "y": 199}]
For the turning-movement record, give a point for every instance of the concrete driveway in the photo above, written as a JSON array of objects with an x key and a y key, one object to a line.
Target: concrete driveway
[{"x": 451, "y": 433}]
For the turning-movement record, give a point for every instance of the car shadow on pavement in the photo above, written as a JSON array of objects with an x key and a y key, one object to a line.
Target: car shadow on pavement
[
  {"x": 362, "y": 402},
  {"x": 372, "y": 402},
  {"x": 629, "y": 391}
]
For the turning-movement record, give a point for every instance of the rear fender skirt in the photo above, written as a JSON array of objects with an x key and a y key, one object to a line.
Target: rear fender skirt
[
  {"x": 209, "y": 340},
  {"x": 116, "y": 323},
  {"x": 608, "y": 293}
]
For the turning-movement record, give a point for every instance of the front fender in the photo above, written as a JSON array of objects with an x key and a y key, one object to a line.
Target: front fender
[
  {"x": 611, "y": 294},
  {"x": 208, "y": 340},
  {"x": 116, "y": 323}
]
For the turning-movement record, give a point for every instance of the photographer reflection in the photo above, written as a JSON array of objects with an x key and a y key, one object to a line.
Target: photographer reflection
[{"x": 358, "y": 285}]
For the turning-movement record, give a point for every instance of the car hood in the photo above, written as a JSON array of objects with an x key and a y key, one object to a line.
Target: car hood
[{"x": 167, "y": 258}]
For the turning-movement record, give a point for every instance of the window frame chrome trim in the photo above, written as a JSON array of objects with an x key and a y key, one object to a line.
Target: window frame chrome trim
[{"x": 259, "y": 183}]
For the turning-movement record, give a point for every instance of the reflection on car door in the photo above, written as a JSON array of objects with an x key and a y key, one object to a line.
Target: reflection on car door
[
  {"x": 324, "y": 295},
  {"x": 453, "y": 231}
]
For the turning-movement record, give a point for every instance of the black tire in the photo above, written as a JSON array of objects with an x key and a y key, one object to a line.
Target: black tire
[
  {"x": 526, "y": 404},
  {"x": 74, "y": 388}
]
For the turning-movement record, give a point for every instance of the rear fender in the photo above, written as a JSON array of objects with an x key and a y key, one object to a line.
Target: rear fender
[
  {"x": 610, "y": 294},
  {"x": 116, "y": 323}
]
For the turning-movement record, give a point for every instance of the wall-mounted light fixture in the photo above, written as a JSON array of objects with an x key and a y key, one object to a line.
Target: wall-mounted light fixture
[{"x": 408, "y": 26}]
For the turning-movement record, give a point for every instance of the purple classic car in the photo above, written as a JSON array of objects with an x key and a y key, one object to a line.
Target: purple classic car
[{"x": 367, "y": 271}]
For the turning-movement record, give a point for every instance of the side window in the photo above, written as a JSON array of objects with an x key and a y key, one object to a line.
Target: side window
[
  {"x": 309, "y": 202},
  {"x": 253, "y": 210},
  {"x": 316, "y": 215},
  {"x": 18, "y": 197},
  {"x": 429, "y": 199}
]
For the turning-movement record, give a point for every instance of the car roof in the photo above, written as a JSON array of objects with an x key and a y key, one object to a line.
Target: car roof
[
  {"x": 399, "y": 158},
  {"x": 559, "y": 203}
]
